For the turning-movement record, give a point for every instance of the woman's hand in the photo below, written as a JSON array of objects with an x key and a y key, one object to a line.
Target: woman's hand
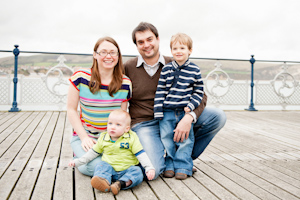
[
  {"x": 87, "y": 143},
  {"x": 183, "y": 128}
]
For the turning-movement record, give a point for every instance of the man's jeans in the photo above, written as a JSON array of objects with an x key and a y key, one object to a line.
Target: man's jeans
[
  {"x": 207, "y": 126},
  {"x": 133, "y": 173},
  {"x": 87, "y": 169},
  {"x": 178, "y": 157}
]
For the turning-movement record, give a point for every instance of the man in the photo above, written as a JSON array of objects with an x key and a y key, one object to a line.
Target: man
[{"x": 144, "y": 72}]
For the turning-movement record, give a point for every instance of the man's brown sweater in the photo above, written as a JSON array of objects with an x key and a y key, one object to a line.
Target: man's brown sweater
[{"x": 143, "y": 91}]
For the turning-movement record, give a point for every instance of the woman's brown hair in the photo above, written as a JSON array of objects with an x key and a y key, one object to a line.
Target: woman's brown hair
[{"x": 116, "y": 83}]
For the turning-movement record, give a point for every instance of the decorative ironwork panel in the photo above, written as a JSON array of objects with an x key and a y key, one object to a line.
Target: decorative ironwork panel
[
  {"x": 265, "y": 94},
  {"x": 51, "y": 89},
  {"x": 237, "y": 94},
  {"x": 295, "y": 98},
  {"x": 218, "y": 82},
  {"x": 5, "y": 90},
  {"x": 282, "y": 90},
  {"x": 55, "y": 80},
  {"x": 34, "y": 91}
]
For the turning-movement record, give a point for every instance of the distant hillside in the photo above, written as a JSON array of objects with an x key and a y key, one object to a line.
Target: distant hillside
[{"x": 237, "y": 70}]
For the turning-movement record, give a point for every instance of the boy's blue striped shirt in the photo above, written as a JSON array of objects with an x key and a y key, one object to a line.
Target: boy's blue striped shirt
[{"x": 178, "y": 87}]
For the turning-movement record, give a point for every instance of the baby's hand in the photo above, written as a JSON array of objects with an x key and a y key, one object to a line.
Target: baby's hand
[
  {"x": 187, "y": 109},
  {"x": 71, "y": 163},
  {"x": 150, "y": 174}
]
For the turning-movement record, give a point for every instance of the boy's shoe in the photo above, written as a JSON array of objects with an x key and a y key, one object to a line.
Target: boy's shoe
[
  {"x": 115, "y": 187},
  {"x": 169, "y": 174},
  {"x": 194, "y": 170},
  {"x": 180, "y": 176},
  {"x": 100, "y": 183}
]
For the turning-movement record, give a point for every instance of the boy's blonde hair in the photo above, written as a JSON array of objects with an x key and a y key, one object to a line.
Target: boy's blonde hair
[
  {"x": 182, "y": 38},
  {"x": 123, "y": 112}
]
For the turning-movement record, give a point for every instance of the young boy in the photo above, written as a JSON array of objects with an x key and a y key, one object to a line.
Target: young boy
[
  {"x": 179, "y": 91},
  {"x": 122, "y": 151}
]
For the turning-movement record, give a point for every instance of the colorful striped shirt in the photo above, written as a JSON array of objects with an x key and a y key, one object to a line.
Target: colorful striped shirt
[
  {"x": 178, "y": 87},
  {"x": 95, "y": 108}
]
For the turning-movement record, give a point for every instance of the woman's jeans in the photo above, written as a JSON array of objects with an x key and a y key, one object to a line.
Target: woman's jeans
[
  {"x": 133, "y": 173},
  {"x": 178, "y": 157},
  {"x": 87, "y": 169},
  {"x": 207, "y": 126}
]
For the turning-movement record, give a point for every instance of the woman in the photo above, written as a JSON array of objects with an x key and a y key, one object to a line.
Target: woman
[{"x": 99, "y": 90}]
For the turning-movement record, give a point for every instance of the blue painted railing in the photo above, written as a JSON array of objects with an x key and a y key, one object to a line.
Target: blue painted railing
[{"x": 16, "y": 53}]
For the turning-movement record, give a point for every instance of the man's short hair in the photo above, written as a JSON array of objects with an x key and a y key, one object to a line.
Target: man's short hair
[{"x": 144, "y": 26}]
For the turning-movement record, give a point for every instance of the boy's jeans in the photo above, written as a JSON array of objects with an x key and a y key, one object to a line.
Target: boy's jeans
[
  {"x": 133, "y": 173},
  {"x": 206, "y": 127},
  {"x": 179, "y": 154}
]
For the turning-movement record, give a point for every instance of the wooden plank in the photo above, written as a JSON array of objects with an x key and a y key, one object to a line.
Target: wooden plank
[
  {"x": 125, "y": 195},
  {"x": 243, "y": 120},
  {"x": 83, "y": 187},
  {"x": 259, "y": 181},
  {"x": 281, "y": 187},
  {"x": 180, "y": 189},
  {"x": 105, "y": 196},
  {"x": 272, "y": 179},
  {"x": 14, "y": 132},
  {"x": 199, "y": 189},
  {"x": 240, "y": 160},
  {"x": 10, "y": 130},
  {"x": 9, "y": 155},
  {"x": 267, "y": 161},
  {"x": 230, "y": 185},
  {"x": 45, "y": 182},
  {"x": 64, "y": 177},
  {"x": 278, "y": 172},
  {"x": 5, "y": 117},
  {"x": 214, "y": 187},
  {"x": 162, "y": 190},
  {"x": 12, "y": 174},
  {"x": 3, "y": 114},
  {"x": 143, "y": 191},
  {"x": 237, "y": 176},
  {"x": 10, "y": 119}
]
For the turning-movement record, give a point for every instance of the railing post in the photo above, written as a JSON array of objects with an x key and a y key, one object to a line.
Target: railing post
[
  {"x": 251, "y": 106},
  {"x": 15, "y": 108}
]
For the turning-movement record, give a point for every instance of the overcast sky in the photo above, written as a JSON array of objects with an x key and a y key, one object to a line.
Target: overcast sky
[{"x": 269, "y": 29}]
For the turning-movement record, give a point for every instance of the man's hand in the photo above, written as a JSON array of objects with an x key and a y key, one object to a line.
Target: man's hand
[{"x": 183, "y": 128}]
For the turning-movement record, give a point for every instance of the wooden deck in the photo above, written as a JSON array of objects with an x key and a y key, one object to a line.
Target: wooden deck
[{"x": 255, "y": 156}]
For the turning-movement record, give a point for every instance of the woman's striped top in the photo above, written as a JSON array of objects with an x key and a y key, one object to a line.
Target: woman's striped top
[{"x": 95, "y": 108}]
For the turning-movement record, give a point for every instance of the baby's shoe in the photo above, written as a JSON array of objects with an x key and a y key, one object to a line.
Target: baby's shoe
[
  {"x": 115, "y": 187},
  {"x": 100, "y": 183}
]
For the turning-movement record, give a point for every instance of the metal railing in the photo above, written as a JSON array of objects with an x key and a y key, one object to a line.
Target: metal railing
[{"x": 216, "y": 80}]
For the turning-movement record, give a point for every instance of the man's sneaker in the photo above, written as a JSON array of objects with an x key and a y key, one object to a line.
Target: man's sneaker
[
  {"x": 115, "y": 187},
  {"x": 100, "y": 184}
]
